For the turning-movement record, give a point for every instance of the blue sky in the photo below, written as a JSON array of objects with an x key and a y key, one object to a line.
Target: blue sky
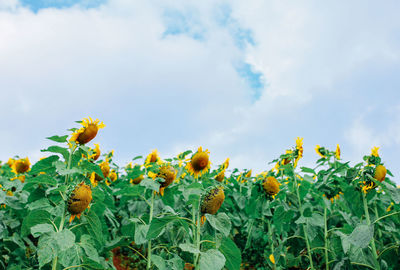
[{"x": 243, "y": 79}]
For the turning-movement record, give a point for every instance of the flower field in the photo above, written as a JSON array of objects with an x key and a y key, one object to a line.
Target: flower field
[{"x": 77, "y": 209}]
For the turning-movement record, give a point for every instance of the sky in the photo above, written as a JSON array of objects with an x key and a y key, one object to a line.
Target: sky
[{"x": 240, "y": 78}]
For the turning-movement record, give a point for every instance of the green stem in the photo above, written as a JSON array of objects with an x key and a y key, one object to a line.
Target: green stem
[
  {"x": 376, "y": 217},
  {"x": 326, "y": 239},
  {"x": 272, "y": 242},
  {"x": 61, "y": 227},
  {"x": 369, "y": 224},
  {"x": 304, "y": 225},
  {"x": 198, "y": 242},
  {"x": 249, "y": 234},
  {"x": 149, "y": 245}
]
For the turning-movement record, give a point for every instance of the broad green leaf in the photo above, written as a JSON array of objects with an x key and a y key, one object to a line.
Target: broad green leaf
[
  {"x": 87, "y": 244},
  {"x": 70, "y": 256},
  {"x": 65, "y": 239},
  {"x": 59, "y": 150},
  {"x": 93, "y": 226},
  {"x": 150, "y": 184},
  {"x": 90, "y": 167},
  {"x": 189, "y": 247},
  {"x": 140, "y": 234},
  {"x": 59, "y": 139},
  {"x": 393, "y": 191},
  {"x": 40, "y": 229},
  {"x": 232, "y": 254},
  {"x": 46, "y": 249},
  {"x": 158, "y": 224},
  {"x": 220, "y": 222},
  {"x": 62, "y": 168},
  {"x": 212, "y": 259},
  {"x": 136, "y": 190},
  {"x": 361, "y": 236},
  {"x": 43, "y": 179},
  {"x": 159, "y": 262},
  {"x": 34, "y": 217},
  {"x": 44, "y": 165}
]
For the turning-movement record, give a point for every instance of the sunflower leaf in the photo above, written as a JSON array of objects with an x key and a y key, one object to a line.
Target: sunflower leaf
[
  {"x": 59, "y": 139},
  {"x": 212, "y": 259}
]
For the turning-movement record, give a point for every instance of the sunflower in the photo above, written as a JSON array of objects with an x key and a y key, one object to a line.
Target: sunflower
[
  {"x": 79, "y": 200},
  {"x": 95, "y": 152},
  {"x": 20, "y": 178},
  {"x": 105, "y": 169},
  {"x": 153, "y": 157},
  {"x": 271, "y": 185},
  {"x": 220, "y": 176},
  {"x": 380, "y": 173},
  {"x": 10, "y": 162},
  {"x": 21, "y": 165},
  {"x": 337, "y": 152},
  {"x": 86, "y": 133},
  {"x": 248, "y": 174},
  {"x": 168, "y": 173},
  {"x": 211, "y": 202},
  {"x": 374, "y": 151},
  {"x": 320, "y": 151},
  {"x": 199, "y": 163},
  {"x": 299, "y": 150},
  {"x": 225, "y": 165},
  {"x": 136, "y": 180},
  {"x": 272, "y": 258}
]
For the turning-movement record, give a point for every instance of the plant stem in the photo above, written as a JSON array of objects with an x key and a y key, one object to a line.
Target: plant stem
[
  {"x": 376, "y": 217},
  {"x": 326, "y": 239},
  {"x": 304, "y": 225},
  {"x": 272, "y": 241},
  {"x": 61, "y": 227},
  {"x": 149, "y": 245},
  {"x": 198, "y": 242},
  {"x": 369, "y": 224}
]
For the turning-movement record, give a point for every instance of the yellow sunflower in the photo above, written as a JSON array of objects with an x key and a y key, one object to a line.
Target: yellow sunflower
[
  {"x": 380, "y": 173},
  {"x": 319, "y": 150},
  {"x": 105, "y": 169},
  {"x": 220, "y": 176},
  {"x": 271, "y": 185},
  {"x": 374, "y": 151},
  {"x": 10, "y": 162},
  {"x": 21, "y": 165},
  {"x": 199, "y": 163},
  {"x": 225, "y": 165},
  {"x": 153, "y": 157},
  {"x": 299, "y": 149},
  {"x": 248, "y": 174},
  {"x": 86, "y": 133},
  {"x": 337, "y": 152}
]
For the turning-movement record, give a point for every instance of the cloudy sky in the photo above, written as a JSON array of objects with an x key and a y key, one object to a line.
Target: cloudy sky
[{"x": 241, "y": 78}]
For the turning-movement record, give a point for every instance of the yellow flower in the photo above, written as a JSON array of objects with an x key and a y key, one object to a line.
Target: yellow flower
[
  {"x": 153, "y": 157},
  {"x": 374, "y": 151},
  {"x": 86, "y": 133},
  {"x": 105, "y": 169},
  {"x": 225, "y": 165},
  {"x": 199, "y": 163},
  {"x": 79, "y": 200},
  {"x": 299, "y": 150},
  {"x": 318, "y": 150},
  {"x": 20, "y": 178},
  {"x": 9, "y": 193},
  {"x": 271, "y": 258},
  {"x": 248, "y": 174},
  {"x": 10, "y": 162},
  {"x": 390, "y": 207},
  {"x": 220, "y": 176},
  {"x": 211, "y": 202},
  {"x": 137, "y": 180},
  {"x": 168, "y": 173},
  {"x": 113, "y": 176},
  {"x": 95, "y": 152},
  {"x": 271, "y": 185},
  {"x": 21, "y": 165},
  {"x": 380, "y": 173},
  {"x": 337, "y": 152}
]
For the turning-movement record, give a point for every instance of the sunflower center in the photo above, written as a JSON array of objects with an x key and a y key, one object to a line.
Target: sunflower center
[
  {"x": 200, "y": 161},
  {"x": 88, "y": 134},
  {"x": 153, "y": 158},
  {"x": 21, "y": 167}
]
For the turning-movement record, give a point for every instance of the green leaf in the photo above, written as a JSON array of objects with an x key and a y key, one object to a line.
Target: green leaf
[
  {"x": 212, "y": 259},
  {"x": 70, "y": 256},
  {"x": 220, "y": 222},
  {"x": 393, "y": 191},
  {"x": 44, "y": 165},
  {"x": 159, "y": 262},
  {"x": 232, "y": 254},
  {"x": 140, "y": 234},
  {"x": 87, "y": 244},
  {"x": 46, "y": 249},
  {"x": 34, "y": 217},
  {"x": 43, "y": 179},
  {"x": 307, "y": 170},
  {"x": 59, "y": 150},
  {"x": 136, "y": 190},
  {"x": 158, "y": 224},
  {"x": 189, "y": 247},
  {"x": 93, "y": 226},
  {"x": 90, "y": 167},
  {"x": 40, "y": 229},
  {"x": 59, "y": 139},
  {"x": 150, "y": 184},
  {"x": 62, "y": 169},
  {"x": 361, "y": 236},
  {"x": 90, "y": 264},
  {"x": 316, "y": 220},
  {"x": 65, "y": 239}
]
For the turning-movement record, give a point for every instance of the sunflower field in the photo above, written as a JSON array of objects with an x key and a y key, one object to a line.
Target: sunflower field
[{"x": 77, "y": 209}]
